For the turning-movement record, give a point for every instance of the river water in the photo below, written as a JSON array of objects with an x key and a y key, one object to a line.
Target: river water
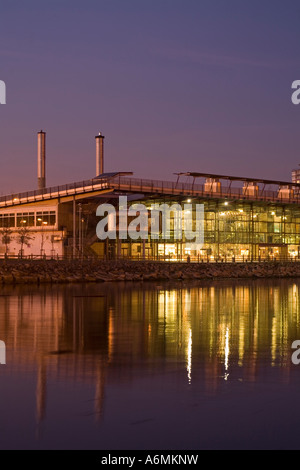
[{"x": 150, "y": 366}]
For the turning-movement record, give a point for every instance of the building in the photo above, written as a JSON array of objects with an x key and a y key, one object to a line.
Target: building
[
  {"x": 296, "y": 176},
  {"x": 245, "y": 219}
]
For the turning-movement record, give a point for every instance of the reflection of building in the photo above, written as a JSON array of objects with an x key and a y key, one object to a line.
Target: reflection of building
[
  {"x": 52, "y": 335},
  {"x": 244, "y": 218},
  {"x": 113, "y": 334}
]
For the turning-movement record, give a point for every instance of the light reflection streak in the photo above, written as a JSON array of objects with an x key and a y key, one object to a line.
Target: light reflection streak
[
  {"x": 189, "y": 357},
  {"x": 227, "y": 352}
]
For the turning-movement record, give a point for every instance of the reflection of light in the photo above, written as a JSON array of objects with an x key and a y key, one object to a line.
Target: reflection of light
[
  {"x": 227, "y": 351},
  {"x": 189, "y": 357},
  {"x": 187, "y": 301},
  {"x": 167, "y": 306},
  {"x": 274, "y": 341},
  {"x": 111, "y": 335},
  {"x": 241, "y": 340}
]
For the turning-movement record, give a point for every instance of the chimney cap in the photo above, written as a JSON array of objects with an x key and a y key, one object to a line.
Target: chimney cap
[{"x": 99, "y": 136}]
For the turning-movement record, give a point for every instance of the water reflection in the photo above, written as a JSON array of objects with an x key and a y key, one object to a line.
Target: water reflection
[{"x": 111, "y": 334}]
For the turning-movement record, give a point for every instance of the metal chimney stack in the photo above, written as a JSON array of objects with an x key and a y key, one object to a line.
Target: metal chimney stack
[
  {"x": 99, "y": 154},
  {"x": 41, "y": 160}
]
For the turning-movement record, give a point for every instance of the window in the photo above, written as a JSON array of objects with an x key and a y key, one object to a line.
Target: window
[
  {"x": 25, "y": 219},
  {"x": 7, "y": 220},
  {"x": 45, "y": 218}
]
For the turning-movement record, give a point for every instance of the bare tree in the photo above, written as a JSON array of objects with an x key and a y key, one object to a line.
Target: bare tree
[
  {"x": 23, "y": 238},
  {"x": 6, "y": 238},
  {"x": 42, "y": 242}
]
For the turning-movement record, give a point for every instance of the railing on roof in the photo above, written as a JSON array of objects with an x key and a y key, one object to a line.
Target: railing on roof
[
  {"x": 135, "y": 185},
  {"x": 80, "y": 187},
  {"x": 196, "y": 189}
]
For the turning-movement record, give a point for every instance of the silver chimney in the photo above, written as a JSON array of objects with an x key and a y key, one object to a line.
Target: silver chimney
[
  {"x": 99, "y": 154},
  {"x": 41, "y": 160}
]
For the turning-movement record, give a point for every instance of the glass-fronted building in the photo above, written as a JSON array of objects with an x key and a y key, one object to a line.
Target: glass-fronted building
[
  {"x": 233, "y": 230},
  {"x": 244, "y": 219}
]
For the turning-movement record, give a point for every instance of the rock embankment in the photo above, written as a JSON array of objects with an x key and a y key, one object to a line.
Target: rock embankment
[{"x": 37, "y": 272}]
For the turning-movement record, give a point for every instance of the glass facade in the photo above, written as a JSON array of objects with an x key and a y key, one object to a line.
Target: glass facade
[{"x": 233, "y": 231}]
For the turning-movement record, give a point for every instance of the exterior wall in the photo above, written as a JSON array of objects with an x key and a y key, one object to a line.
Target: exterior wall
[
  {"x": 65, "y": 216},
  {"x": 37, "y": 225},
  {"x": 47, "y": 243}
]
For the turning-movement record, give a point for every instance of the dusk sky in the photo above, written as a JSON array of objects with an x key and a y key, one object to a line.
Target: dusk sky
[{"x": 174, "y": 85}]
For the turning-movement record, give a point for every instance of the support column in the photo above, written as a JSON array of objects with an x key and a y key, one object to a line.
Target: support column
[{"x": 74, "y": 227}]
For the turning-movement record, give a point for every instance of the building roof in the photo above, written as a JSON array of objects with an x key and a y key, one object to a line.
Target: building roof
[
  {"x": 238, "y": 178},
  {"x": 112, "y": 175}
]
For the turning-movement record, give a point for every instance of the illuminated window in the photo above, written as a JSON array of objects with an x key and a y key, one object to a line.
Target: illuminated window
[
  {"x": 25, "y": 219},
  {"x": 45, "y": 218}
]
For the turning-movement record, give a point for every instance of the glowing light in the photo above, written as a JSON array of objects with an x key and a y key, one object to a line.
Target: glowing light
[
  {"x": 189, "y": 357},
  {"x": 226, "y": 203},
  {"x": 227, "y": 352}
]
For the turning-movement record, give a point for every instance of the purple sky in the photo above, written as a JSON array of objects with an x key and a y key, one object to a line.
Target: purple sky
[{"x": 175, "y": 85}]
